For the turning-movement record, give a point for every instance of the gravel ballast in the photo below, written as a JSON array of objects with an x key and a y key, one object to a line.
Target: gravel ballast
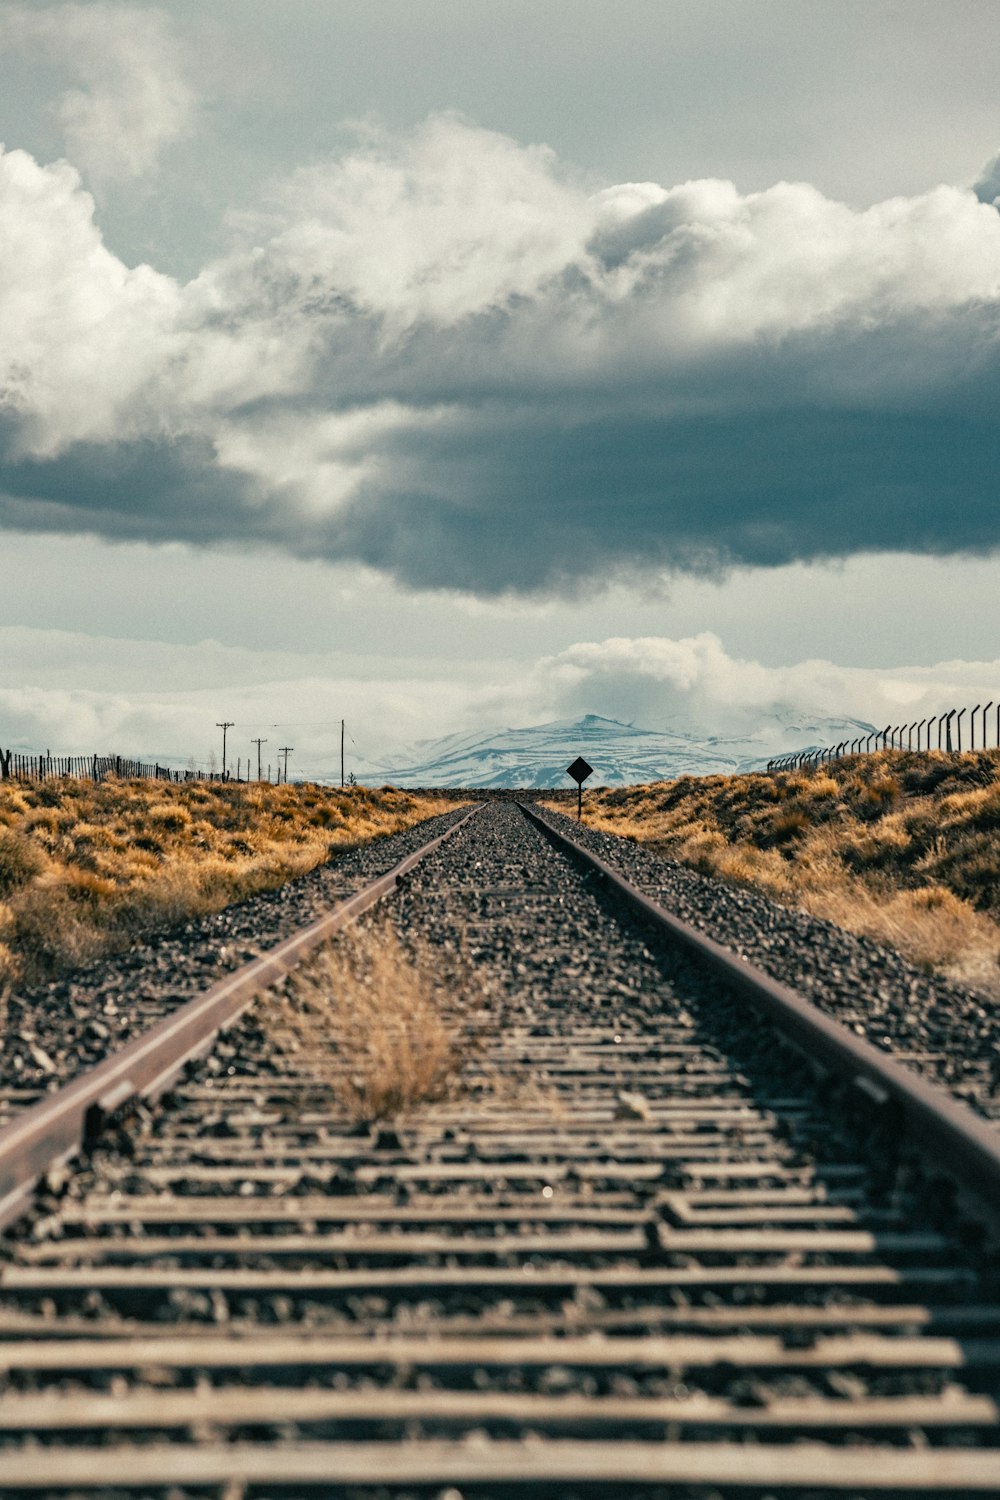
[{"x": 949, "y": 1035}]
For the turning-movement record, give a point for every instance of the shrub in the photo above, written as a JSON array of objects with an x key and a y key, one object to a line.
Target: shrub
[
  {"x": 392, "y": 1019},
  {"x": 979, "y": 809},
  {"x": 789, "y": 825},
  {"x": 20, "y": 861},
  {"x": 51, "y": 932},
  {"x": 701, "y": 849},
  {"x": 169, "y": 817},
  {"x": 882, "y": 793}
]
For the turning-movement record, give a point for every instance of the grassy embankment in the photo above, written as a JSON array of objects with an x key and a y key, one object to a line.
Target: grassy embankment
[
  {"x": 86, "y": 870},
  {"x": 902, "y": 847}
]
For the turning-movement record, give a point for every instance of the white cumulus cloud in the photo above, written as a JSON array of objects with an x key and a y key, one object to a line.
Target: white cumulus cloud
[
  {"x": 130, "y": 98},
  {"x": 695, "y": 681},
  {"x": 81, "y": 332},
  {"x": 435, "y": 226}
]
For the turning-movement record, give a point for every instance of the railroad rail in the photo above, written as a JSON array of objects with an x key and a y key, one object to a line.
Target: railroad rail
[{"x": 674, "y": 1234}]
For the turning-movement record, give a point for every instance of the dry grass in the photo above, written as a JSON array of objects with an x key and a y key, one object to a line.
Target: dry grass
[
  {"x": 902, "y": 847},
  {"x": 396, "y": 1022},
  {"x": 86, "y": 870}
]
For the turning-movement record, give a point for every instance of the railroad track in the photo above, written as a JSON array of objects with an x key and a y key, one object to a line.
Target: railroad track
[{"x": 646, "y": 1249}]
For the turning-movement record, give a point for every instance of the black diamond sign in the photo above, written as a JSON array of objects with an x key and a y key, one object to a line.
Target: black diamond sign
[{"x": 579, "y": 770}]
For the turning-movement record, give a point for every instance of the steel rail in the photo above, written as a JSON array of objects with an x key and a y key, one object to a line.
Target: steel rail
[
  {"x": 964, "y": 1146},
  {"x": 55, "y": 1128}
]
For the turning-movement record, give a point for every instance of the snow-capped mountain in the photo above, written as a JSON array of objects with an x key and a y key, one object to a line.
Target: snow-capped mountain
[{"x": 621, "y": 754}]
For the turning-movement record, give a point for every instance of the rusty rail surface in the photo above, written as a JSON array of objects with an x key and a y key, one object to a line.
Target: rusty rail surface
[
  {"x": 962, "y": 1144},
  {"x": 55, "y": 1128}
]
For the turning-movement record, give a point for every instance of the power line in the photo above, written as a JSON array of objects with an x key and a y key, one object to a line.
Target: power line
[
  {"x": 285, "y": 750},
  {"x": 294, "y": 724}
]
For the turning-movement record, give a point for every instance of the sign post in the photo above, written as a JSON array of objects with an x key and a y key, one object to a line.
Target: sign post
[{"x": 579, "y": 771}]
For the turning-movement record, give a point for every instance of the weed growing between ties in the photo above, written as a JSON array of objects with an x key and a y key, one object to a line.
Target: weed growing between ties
[
  {"x": 85, "y": 870},
  {"x": 899, "y": 846},
  {"x": 397, "y": 1021}
]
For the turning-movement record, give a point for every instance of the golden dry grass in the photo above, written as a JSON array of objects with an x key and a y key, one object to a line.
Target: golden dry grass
[
  {"x": 899, "y": 846},
  {"x": 397, "y": 1023},
  {"x": 85, "y": 870}
]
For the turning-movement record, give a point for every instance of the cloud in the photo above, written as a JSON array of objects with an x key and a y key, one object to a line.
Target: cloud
[
  {"x": 73, "y": 693},
  {"x": 695, "y": 682},
  {"x": 82, "y": 334},
  {"x": 133, "y": 98},
  {"x": 448, "y": 222},
  {"x": 987, "y": 184},
  {"x": 78, "y": 694},
  {"x": 444, "y": 355}
]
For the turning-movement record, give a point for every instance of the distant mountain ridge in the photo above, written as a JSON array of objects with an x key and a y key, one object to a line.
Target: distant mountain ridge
[{"x": 621, "y": 754}]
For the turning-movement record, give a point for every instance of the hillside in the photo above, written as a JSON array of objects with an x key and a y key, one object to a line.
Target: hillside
[
  {"x": 621, "y": 754},
  {"x": 902, "y": 847}
]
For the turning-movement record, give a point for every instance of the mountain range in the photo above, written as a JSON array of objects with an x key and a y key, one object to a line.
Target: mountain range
[{"x": 621, "y": 754}]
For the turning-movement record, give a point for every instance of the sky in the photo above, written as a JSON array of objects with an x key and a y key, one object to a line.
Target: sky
[{"x": 447, "y": 365}]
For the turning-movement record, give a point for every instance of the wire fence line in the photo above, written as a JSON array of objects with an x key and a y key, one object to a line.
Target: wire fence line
[
  {"x": 920, "y": 735},
  {"x": 17, "y": 766}
]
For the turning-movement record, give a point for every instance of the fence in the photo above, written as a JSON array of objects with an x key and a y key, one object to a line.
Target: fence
[
  {"x": 17, "y": 767},
  {"x": 901, "y": 737}
]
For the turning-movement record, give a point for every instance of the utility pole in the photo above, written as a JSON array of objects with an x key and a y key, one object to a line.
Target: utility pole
[
  {"x": 258, "y": 743},
  {"x": 285, "y": 750},
  {"x": 227, "y": 725},
  {"x": 342, "y": 752}
]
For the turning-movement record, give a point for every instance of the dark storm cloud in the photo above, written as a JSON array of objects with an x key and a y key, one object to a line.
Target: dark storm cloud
[
  {"x": 441, "y": 357},
  {"x": 553, "y": 506},
  {"x": 987, "y": 187},
  {"x": 537, "y": 508},
  {"x": 143, "y": 490}
]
